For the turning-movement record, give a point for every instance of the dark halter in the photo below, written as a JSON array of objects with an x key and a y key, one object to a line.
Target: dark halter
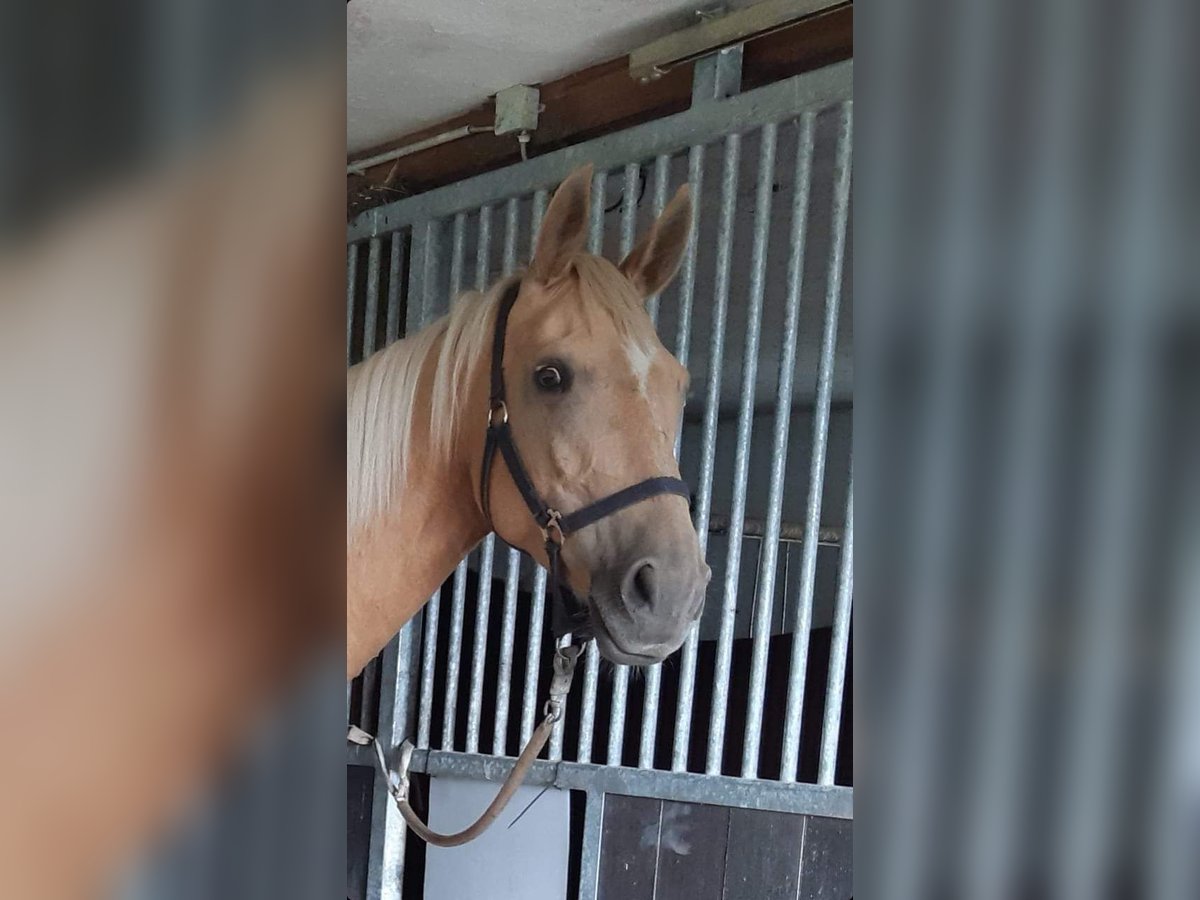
[{"x": 568, "y": 614}]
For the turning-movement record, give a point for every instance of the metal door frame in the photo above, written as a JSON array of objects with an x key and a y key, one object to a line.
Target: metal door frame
[{"x": 419, "y": 226}]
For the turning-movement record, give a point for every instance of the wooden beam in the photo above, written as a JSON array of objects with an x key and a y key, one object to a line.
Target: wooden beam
[{"x": 595, "y": 101}]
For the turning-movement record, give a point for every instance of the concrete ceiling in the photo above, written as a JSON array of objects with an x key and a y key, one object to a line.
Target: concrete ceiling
[{"x": 412, "y": 63}]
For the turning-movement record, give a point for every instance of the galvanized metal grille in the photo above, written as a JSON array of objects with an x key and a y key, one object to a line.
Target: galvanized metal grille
[{"x": 756, "y": 315}]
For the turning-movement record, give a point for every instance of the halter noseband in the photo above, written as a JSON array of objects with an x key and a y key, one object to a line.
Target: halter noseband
[{"x": 569, "y": 614}]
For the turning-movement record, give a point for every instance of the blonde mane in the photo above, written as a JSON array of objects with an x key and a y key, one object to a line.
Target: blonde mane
[{"x": 381, "y": 391}]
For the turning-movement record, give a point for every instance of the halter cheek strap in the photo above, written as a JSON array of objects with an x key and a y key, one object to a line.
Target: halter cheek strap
[{"x": 569, "y": 614}]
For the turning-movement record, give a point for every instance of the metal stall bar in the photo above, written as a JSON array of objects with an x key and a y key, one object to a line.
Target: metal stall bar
[
  {"x": 537, "y": 612},
  {"x": 395, "y": 269},
  {"x": 620, "y": 695},
  {"x": 512, "y": 581},
  {"x": 418, "y": 249},
  {"x": 487, "y": 554},
  {"x": 662, "y": 177},
  {"x": 385, "y": 876},
  {"x": 769, "y": 551},
  {"x": 533, "y": 656},
  {"x": 428, "y": 661},
  {"x": 770, "y": 103},
  {"x": 430, "y": 263},
  {"x": 458, "y": 599},
  {"x": 745, "y": 430},
  {"x": 370, "y": 674},
  {"x": 839, "y": 650},
  {"x": 593, "y": 836},
  {"x": 712, "y": 399},
  {"x": 687, "y": 284},
  {"x": 351, "y": 278},
  {"x": 591, "y": 668},
  {"x": 372, "y": 299},
  {"x": 820, "y": 438}
]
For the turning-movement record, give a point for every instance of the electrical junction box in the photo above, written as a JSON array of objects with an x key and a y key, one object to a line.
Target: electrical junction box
[{"x": 517, "y": 109}]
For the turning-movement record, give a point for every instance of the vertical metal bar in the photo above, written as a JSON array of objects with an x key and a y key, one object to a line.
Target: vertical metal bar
[
  {"x": 540, "y": 200},
  {"x": 533, "y": 656},
  {"x": 649, "y": 734},
  {"x": 769, "y": 553},
  {"x": 483, "y": 249},
  {"x": 596, "y": 222},
  {"x": 745, "y": 430},
  {"x": 591, "y": 669},
  {"x": 662, "y": 175},
  {"x": 511, "y": 226},
  {"x": 395, "y": 271},
  {"x": 616, "y": 719},
  {"x": 457, "y": 613},
  {"x": 593, "y": 834},
  {"x": 587, "y": 709},
  {"x": 538, "y": 612},
  {"x": 620, "y": 677},
  {"x": 662, "y": 172},
  {"x": 456, "y": 254},
  {"x": 629, "y": 205},
  {"x": 459, "y": 595},
  {"x": 351, "y": 278},
  {"x": 687, "y": 672},
  {"x": 507, "y": 638},
  {"x": 479, "y": 651},
  {"x": 385, "y": 873},
  {"x": 372, "y": 313},
  {"x": 414, "y": 312},
  {"x": 513, "y": 579},
  {"x": 820, "y": 436},
  {"x": 428, "y": 260},
  {"x": 487, "y": 554},
  {"x": 839, "y": 649},
  {"x": 428, "y": 662},
  {"x": 429, "y": 281},
  {"x": 458, "y": 600},
  {"x": 687, "y": 277}
]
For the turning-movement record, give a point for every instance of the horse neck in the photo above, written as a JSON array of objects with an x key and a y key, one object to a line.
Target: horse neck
[{"x": 396, "y": 561}]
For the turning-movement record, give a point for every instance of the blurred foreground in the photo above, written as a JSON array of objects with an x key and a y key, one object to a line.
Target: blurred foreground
[
  {"x": 1027, "y": 441},
  {"x": 172, "y": 457}
]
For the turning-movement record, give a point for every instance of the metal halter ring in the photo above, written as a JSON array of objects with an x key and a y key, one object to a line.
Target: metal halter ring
[{"x": 497, "y": 414}]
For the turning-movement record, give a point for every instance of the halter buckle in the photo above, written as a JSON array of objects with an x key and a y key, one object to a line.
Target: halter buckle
[
  {"x": 497, "y": 414},
  {"x": 553, "y": 520}
]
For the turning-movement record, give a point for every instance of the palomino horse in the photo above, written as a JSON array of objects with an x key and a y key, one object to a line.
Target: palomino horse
[{"x": 592, "y": 399}]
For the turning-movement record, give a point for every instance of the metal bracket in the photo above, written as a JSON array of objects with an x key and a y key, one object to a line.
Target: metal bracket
[{"x": 717, "y": 76}]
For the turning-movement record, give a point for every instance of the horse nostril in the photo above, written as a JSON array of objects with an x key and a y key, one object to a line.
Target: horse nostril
[{"x": 641, "y": 585}]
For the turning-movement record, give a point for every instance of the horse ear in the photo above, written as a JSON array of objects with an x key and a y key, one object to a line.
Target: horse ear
[
  {"x": 654, "y": 261},
  {"x": 564, "y": 227}
]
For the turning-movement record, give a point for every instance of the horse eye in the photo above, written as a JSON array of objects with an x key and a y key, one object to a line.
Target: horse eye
[{"x": 549, "y": 378}]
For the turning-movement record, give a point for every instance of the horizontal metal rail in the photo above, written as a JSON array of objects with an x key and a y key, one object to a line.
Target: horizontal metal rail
[
  {"x": 789, "y": 532},
  {"x": 690, "y": 787},
  {"x": 772, "y": 103},
  {"x": 716, "y": 32}
]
